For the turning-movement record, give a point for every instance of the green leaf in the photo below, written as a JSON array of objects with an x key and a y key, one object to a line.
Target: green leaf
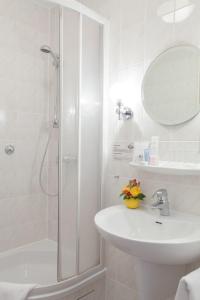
[{"x": 141, "y": 196}]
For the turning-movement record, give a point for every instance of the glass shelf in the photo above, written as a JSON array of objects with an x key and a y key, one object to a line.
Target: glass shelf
[{"x": 170, "y": 167}]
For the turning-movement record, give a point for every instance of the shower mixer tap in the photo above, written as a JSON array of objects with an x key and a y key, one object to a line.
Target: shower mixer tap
[{"x": 9, "y": 149}]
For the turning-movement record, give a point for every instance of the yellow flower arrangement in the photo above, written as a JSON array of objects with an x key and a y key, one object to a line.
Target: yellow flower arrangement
[{"x": 132, "y": 194}]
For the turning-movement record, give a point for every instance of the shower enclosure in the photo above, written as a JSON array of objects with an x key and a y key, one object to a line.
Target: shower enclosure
[
  {"x": 80, "y": 143},
  {"x": 51, "y": 113}
]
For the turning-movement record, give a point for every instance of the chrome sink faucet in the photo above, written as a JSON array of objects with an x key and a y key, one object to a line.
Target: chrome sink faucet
[{"x": 161, "y": 202}]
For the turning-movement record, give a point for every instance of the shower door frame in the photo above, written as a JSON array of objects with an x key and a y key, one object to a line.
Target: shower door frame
[{"x": 85, "y": 11}]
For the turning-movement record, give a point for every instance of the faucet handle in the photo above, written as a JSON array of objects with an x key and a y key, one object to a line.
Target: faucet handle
[
  {"x": 162, "y": 202},
  {"x": 161, "y": 195}
]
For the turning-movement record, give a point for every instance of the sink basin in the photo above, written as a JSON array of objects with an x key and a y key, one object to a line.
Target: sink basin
[
  {"x": 172, "y": 240},
  {"x": 162, "y": 245}
]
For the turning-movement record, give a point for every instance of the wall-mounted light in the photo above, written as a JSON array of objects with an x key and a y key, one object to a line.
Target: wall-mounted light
[
  {"x": 175, "y": 12},
  {"x": 123, "y": 112}
]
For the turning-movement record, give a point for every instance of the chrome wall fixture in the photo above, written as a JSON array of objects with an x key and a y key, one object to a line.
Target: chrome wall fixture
[
  {"x": 123, "y": 112},
  {"x": 131, "y": 146},
  {"x": 9, "y": 149}
]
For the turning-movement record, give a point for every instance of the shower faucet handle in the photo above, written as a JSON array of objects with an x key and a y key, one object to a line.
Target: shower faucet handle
[{"x": 9, "y": 149}]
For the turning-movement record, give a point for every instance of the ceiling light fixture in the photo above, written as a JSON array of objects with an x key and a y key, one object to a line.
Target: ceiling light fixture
[{"x": 175, "y": 13}]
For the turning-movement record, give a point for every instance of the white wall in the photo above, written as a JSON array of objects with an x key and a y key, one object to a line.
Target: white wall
[
  {"x": 137, "y": 36},
  {"x": 24, "y": 116}
]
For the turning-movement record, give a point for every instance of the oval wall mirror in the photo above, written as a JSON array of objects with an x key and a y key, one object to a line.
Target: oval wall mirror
[{"x": 170, "y": 88}]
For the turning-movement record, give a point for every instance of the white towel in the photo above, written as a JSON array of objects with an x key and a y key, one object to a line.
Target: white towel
[
  {"x": 12, "y": 291},
  {"x": 189, "y": 287}
]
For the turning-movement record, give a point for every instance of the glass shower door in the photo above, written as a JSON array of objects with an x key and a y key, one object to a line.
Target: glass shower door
[
  {"x": 90, "y": 143},
  {"x": 68, "y": 174},
  {"x": 80, "y": 144}
]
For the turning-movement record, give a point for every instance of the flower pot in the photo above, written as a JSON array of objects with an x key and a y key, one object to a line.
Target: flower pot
[{"x": 132, "y": 203}]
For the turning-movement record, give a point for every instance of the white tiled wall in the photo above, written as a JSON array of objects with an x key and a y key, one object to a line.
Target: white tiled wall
[
  {"x": 24, "y": 116},
  {"x": 137, "y": 36}
]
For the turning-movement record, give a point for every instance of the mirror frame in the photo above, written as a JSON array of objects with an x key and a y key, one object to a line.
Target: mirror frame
[{"x": 149, "y": 67}]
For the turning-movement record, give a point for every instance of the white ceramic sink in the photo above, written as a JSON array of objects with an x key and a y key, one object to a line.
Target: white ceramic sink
[
  {"x": 144, "y": 234},
  {"x": 163, "y": 246}
]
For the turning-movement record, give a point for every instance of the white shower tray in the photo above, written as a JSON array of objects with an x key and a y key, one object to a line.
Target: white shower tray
[{"x": 170, "y": 167}]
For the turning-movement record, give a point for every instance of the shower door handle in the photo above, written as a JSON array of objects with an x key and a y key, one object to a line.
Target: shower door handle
[{"x": 69, "y": 158}]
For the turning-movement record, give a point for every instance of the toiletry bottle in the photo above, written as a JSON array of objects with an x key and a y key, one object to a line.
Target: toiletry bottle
[
  {"x": 147, "y": 154},
  {"x": 139, "y": 152},
  {"x": 154, "y": 151}
]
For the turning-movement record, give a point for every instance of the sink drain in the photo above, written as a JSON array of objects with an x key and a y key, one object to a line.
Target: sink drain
[{"x": 157, "y": 222}]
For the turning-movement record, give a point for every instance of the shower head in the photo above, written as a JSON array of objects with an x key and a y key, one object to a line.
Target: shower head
[
  {"x": 48, "y": 50},
  {"x": 45, "y": 49}
]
